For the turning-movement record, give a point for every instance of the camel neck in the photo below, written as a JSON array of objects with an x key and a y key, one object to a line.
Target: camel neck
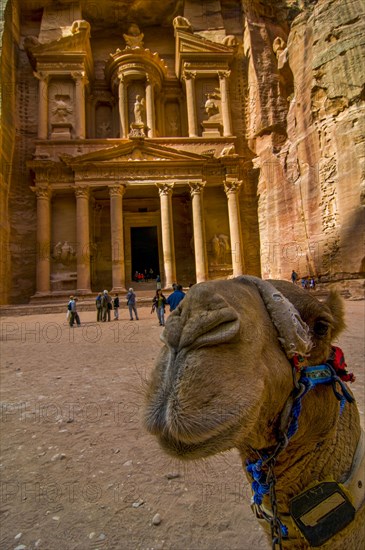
[{"x": 317, "y": 454}]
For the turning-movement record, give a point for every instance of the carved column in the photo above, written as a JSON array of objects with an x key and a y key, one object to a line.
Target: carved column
[
  {"x": 116, "y": 193},
  {"x": 150, "y": 108},
  {"x": 231, "y": 187},
  {"x": 83, "y": 240},
  {"x": 165, "y": 191},
  {"x": 191, "y": 102},
  {"x": 43, "y": 195},
  {"x": 201, "y": 264},
  {"x": 122, "y": 93},
  {"x": 42, "y": 105},
  {"x": 80, "y": 81},
  {"x": 225, "y": 103}
]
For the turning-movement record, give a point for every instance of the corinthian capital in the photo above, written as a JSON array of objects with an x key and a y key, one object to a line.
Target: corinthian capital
[
  {"x": 117, "y": 190},
  {"x": 224, "y": 74},
  {"x": 82, "y": 192},
  {"x": 79, "y": 76},
  {"x": 42, "y": 191},
  {"x": 40, "y": 75},
  {"x": 188, "y": 75},
  {"x": 196, "y": 187},
  {"x": 232, "y": 186},
  {"x": 165, "y": 188}
]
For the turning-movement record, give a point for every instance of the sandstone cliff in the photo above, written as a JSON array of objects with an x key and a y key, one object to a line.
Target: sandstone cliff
[{"x": 305, "y": 123}]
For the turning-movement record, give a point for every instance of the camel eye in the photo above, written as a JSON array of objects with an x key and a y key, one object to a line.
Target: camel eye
[{"x": 320, "y": 328}]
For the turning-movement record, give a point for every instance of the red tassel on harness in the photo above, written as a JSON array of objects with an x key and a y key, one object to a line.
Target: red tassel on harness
[{"x": 338, "y": 361}]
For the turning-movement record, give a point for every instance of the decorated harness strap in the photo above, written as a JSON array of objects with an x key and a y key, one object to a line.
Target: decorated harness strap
[{"x": 334, "y": 373}]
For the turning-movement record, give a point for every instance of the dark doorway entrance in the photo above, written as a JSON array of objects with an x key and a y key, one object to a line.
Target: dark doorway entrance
[{"x": 144, "y": 244}]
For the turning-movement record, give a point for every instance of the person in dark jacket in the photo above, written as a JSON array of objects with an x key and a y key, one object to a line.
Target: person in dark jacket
[
  {"x": 74, "y": 315},
  {"x": 116, "y": 307},
  {"x": 175, "y": 298},
  {"x": 158, "y": 305},
  {"x": 98, "y": 307}
]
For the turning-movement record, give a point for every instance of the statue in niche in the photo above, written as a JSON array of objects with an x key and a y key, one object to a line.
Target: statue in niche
[
  {"x": 62, "y": 108},
  {"x": 63, "y": 253},
  {"x": 223, "y": 247},
  {"x": 211, "y": 106},
  {"x": 57, "y": 251},
  {"x": 139, "y": 110},
  {"x": 134, "y": 37},
  {"x": 215, "y": 250},
  {"x": 173, "y": 121},
  {"x": 219, "y": 246},
  {"x": 104, "y": 130}
]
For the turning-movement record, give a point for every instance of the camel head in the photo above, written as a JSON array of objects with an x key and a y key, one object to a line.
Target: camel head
[{"x": 224, "y": 373}]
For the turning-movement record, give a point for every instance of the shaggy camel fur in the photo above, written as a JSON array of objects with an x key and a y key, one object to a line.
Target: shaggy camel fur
[{"x": 223, "y": 378}]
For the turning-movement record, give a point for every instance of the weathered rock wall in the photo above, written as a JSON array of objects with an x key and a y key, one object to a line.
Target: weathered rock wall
[
  {"x": 305, "y": 124},
  {"x": 9, "y": 38}
]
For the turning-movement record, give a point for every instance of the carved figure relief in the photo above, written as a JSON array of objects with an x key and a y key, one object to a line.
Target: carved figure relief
[
  {"x": 103, "y": 121},
  {"x": 63, "y": 253},
  {"x": 61, "y": 108},
  {"x": 134, "y": 37},
  {"x": 173, "y": 126},
  {"x": 104, "y": 130},
  {"x": 219, "y": 248}
]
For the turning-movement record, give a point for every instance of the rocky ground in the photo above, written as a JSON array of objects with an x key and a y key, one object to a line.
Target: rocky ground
[{"x": 78, "y": 472}]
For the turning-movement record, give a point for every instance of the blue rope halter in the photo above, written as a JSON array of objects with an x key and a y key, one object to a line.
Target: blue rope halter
[{"x": 310, "y": 377}]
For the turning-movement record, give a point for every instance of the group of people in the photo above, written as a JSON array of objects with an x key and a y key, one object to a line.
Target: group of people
[
  {"x": 307, "y": 283},
  {"x": 145, "y": 275},
  {"x": 105, "y": 304}
]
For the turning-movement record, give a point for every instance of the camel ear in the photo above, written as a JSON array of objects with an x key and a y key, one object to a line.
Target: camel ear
[
  {"x": 294, "y": 334},
  {"x": 336, "y": 306}
]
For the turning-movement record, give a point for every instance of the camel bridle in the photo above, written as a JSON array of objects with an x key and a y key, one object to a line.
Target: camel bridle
[{"x": 262, "y": 470}]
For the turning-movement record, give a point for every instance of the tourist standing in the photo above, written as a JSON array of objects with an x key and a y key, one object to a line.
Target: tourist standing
[
  {"x": 131, "y": 303},
  {"x": 294, "y": 276},
  {"x": 98, "y": 307},
  {"x": 116, "y": 307},
  {"x": 106, "y": 306},
  {"x": 69, "y": 307},
  {"x": 158, "y": 304},
  {"x": 74, "y": 315},
  {"x": 175, "y": 298}
]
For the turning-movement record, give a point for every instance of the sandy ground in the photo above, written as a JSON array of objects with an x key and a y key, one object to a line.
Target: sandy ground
[{"x": 77, "y": 469}]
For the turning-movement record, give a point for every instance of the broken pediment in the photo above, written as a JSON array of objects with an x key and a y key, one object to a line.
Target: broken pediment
[
  {"x": 194, "y": 49},
  {"x": 66, "y": 50}
]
